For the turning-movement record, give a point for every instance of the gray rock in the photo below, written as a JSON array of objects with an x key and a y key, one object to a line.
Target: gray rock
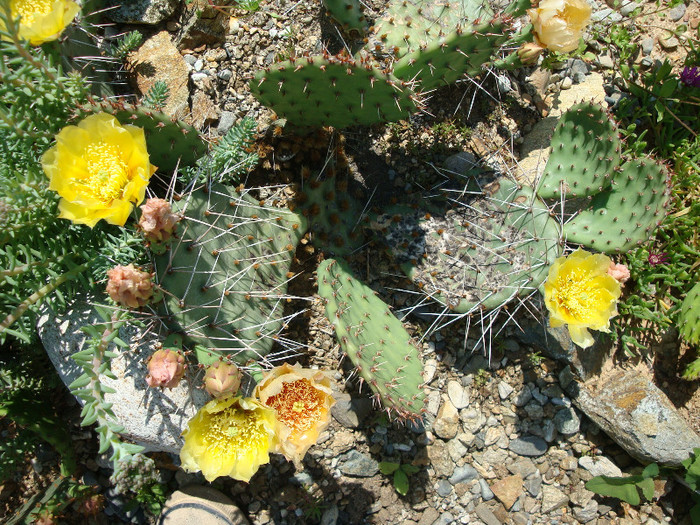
[
  {"x": 606, "y": 15},
  {"x": 599, "y": 466},
  {"x": 445, "y": 519},
  {"x": 351, "y": 412},
  {"x": 473, "y": 420},
  {"x": 225, "y": 75},
  {"x": 330, "y": 515},
  {"x": 523, "y": 397},
  {"x": 669, "y": 44},
  {"x": 530, "y": 446},
  {"x": 226, "y": 121},
  {"x": 430, "y": 368},
  {"x": 549, "y": 430},
  {"x": 503, "y": 84},
  {"x": 627, "y": 7},
  {"x": 567, "y": 421},
  {"x": 302, "y": 479},
  {"x": 553, "y": 499},
  {"x": 587, "y": 513},
  {"x": 151, "y": 417},
  {"x": 523, "y": 466},
  {"x": 636, "y": 415},
  {"x": 605, "y": 62},
  {"x": 355, "y": 463},
  {"x": 463, "y": 474},
  {"x": 486, "y": 492},
  {"x": 150, "y": 12},
  {"x": 567, "y": 83},
  {"x": 647, "y": 46},
  {"x": 486, "y": 515},
  {"x": 533, "y": 485},
  {"x": 504, "y": 390},
  {"x": 444, "y": 488},
  {"x": 458, "y": 394},
  {"x": 676, "y": 13},
  {"x": 461, "y": 163}
]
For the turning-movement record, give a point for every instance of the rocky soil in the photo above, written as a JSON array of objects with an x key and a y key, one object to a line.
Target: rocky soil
[{"x": 503, "y": 440}]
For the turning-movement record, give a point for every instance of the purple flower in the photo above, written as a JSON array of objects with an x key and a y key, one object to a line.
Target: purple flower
[
  {"x": 657, "y": 258},
  {"x": 690, "y": 76}
]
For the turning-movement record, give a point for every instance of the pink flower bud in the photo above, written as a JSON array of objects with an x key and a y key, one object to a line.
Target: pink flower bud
[
  {"x": 530, "y": 52},
  {"x": 157, "y": 221},
  {"x": 165, "y": 368},
  {"x": 129, "y": 287},
  {"x": 222, "y": 379},
  {"x": 619, "y": 272}
]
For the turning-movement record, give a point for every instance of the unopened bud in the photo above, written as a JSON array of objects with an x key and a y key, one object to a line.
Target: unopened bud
[
  {"x": 92, "y": 505},
  {"x": 165, "y": 368},
  {"x": 157, "y": 222},
  {"x": 619, "y": 272},
  {"x": 222, "y": 379},
  {"x": 129, "y": 287},
  {"x": 530, "y": 52}
]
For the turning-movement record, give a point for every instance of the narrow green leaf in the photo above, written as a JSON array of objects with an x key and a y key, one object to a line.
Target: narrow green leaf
[{"x": 401, "y": 482}]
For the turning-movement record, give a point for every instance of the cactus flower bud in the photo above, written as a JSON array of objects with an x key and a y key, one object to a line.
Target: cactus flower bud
[
  {"x": 559, "y": 24},
  {"x": 222, "y": 379},
  {"x": 530, "y": 52},
  {"x": 157, "y": 222},
  {"x": 129, "y": 287},
  {"x": 165, "y": 368},
  {"x": 619, "y": 272}
]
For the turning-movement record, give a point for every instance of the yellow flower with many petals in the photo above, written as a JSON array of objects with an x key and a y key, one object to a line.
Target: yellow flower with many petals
[
  {"x": 42, "y": 20},
  {"x": 580, "y": 293},
  {"x": 99, "y": 168},
  {"x": 229, "y": 437},
  {"x": 302, "y": 399},
  {"x": 559, "y": 24}
]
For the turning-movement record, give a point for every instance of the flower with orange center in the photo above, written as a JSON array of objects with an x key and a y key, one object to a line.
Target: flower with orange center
[
  {"x": 231, "y": 437},
  {"x": 99, "y": 168},
  {"x": 302, "y": 399},
  {"x": 559, "y": 24},
  {"x": 580, "y": 293},
  {"x": 41, "y": 20}
]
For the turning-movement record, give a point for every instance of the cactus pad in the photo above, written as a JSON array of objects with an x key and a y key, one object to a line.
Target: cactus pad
[
  {"x": 225, "y": 276},
  {"x": 481, "y": 253},
  {"x": 626, "y": 214},
  {"x": 171, "y": 143},
  {"x": 374, "y": 339},
  {"x": 689, "y": 318},
  {"x": 585, "y": 151},
  {"x": 348, "y": 15},
  {"x": 336, "y": 91}
]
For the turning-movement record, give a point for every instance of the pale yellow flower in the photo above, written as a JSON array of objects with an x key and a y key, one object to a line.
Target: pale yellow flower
[
  {"x": 302, "y": 399},
  {"x": 99, "y": 168},
  {"x": 42, "y": 20},
  {"x": 579, "y": 293},
  {"x": 559, "y": 24},
  {"x": 231, "y": 437}
]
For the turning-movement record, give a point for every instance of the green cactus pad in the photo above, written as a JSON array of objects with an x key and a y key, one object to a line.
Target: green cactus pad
[
  {"x": 374, "y": 339},
  {"x": 333, "y": 215},
  {"x": 225, "y": 276},
  {"x": 348, "y": 15},
  {"x": 336, "y": 91},
  {"x": 585, "y": 152},
  {"x": 689, "y": 318},
  {"x": 449, "y": 58},
  {"x": 626, "y": 214},
  {"x": 171, "y": 143},
  {"x": 411, "y": 25},
  {"x": 479, "y": 254}
]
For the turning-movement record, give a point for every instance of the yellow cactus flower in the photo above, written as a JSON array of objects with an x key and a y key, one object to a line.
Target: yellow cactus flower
[
  {"x": 229, "y": 437},
  {"x": 99, "y": 168},
  {"x": 559, "y": 24},
  {"x": 42, "y": 20},
  {"x": 302, "y": 399},
  {"x": 580, "y": 293}
]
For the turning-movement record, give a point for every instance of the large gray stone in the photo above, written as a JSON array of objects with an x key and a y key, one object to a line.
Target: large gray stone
[
  {"x": 636, "y": 415},
  {"x": 151, "y": 417}
]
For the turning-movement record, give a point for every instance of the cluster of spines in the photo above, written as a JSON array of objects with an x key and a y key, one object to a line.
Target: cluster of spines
[
  {"x": 225, "y": 276},
  {"x": 384, "y": 355}
]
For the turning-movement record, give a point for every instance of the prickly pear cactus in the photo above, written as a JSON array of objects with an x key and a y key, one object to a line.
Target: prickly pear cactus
[
  {"x": 626, "y": 214},
  {"x": 336, "y": 91},
  {"x": 225, "y": 276},
  {"x": 374, "y": 339},
  {"x": 348, "y": 15},
  {"x": 171, "y": 142},
  {"x": 480, "y": 254},
  {"x": 332, "y": 213},
  {"x": 689, "y": 318},
  {"x": 585, "y": 153}
]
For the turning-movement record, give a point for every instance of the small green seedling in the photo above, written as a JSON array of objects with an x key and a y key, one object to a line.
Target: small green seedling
[
  {"x": 626, "y": 488},
  {"x": 401, "y": 472}
]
